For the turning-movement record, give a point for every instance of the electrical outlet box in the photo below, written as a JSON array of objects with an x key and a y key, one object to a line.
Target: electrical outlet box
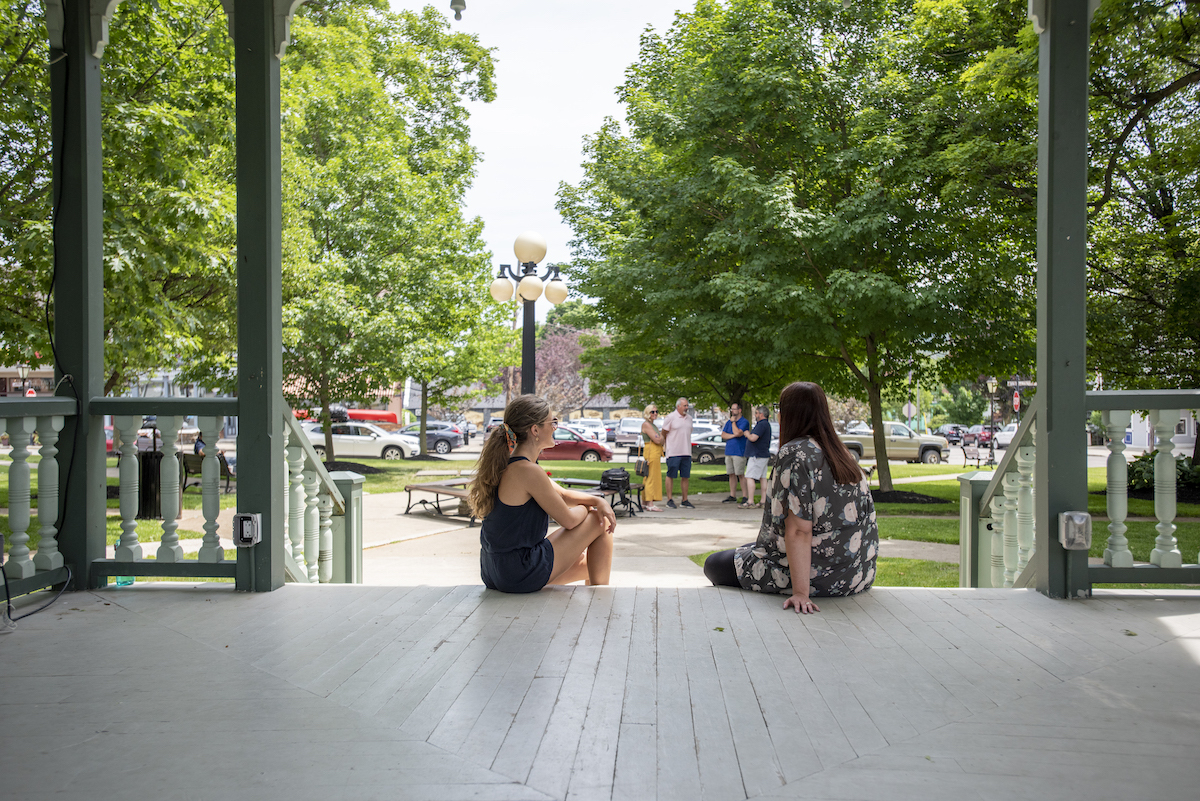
[
  {"x": 247, "y": 529},
  {"x": 1075, "y": 530}
]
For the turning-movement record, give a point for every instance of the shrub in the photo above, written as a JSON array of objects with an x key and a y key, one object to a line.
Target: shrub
[{"x": 1141, "y": 472}]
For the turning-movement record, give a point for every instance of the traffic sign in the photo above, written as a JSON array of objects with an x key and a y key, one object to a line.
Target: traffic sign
[
  {"x": 1016, "y": 401},
  {"x": 909, "y": 410}
]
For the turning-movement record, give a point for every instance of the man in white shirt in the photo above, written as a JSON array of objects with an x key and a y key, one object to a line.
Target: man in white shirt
[{"x": 677, "y": 429}]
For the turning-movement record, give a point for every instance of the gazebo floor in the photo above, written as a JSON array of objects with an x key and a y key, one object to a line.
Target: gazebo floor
[{"x": 166, "y": 691}]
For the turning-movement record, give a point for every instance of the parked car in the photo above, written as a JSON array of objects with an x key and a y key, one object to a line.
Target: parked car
[
  {"x": 440, "y": 437},
  {"x": 1005, "y": 436},
  {"x": 628, "y": 431},
  {"x": 589, "y": 426},
  {"x": 708, "y": 448},
  {"x": 363, "y": 440},
  {"x": 610, "y": 429},
  {"x": 902, "y": 443},
  {"x": 979, "y": 435},
  {"x": 571, "y": 444},
  {"x": 953, "y": 432}
]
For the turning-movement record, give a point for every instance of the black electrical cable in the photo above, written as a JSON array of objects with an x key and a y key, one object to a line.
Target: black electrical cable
[{"x": 67, "y": 583}]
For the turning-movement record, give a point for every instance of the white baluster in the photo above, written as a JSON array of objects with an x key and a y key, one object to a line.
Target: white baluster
[
  {"x": 168, "y": 482},
  {"x": 210, "y": 490},
  {"x": 997, "y": 506},
  {"x": 19, "y": 565},
  {"x": 295, "y": 498},
  {"x": 312, "y": 525},
  {"x": 1012, "y": 486},
  {"x": 1026, "y": 456},
  {"x": 325, "y": 558},
  {"x": 1166, "y": 547},
  {"x": 126, "y": 427},
  {"x": 1117, "y": 554},
  {"x": 48, "y": 557}
]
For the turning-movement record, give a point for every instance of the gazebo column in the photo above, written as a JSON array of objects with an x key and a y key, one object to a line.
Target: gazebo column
[
  {"x": 76, "y": 42},
  {"x": 1061, "y": 471},
  {"x": 261, "y": 438}
]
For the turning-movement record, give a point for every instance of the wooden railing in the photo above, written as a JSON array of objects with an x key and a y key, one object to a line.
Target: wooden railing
[
  {"x": 323, "y": 527},
  {"x": 996, "y": 526},
  {"x": 21, "y": 419}
]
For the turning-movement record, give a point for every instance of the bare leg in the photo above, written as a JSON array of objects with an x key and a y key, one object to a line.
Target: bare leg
[
  {"x": 748, "y": 488},
  {"x": 670, "y": 488},
  {"x": 733, "y": 485},
  {"x": 683, "y": 482},
  {"x": 573, "y": 546}
]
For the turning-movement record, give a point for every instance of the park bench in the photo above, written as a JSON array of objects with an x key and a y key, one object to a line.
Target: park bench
[
  {"x": 449, "y": 488},
  {"x": 193, "y": 464},
  {"x": 973, "y": 452}
]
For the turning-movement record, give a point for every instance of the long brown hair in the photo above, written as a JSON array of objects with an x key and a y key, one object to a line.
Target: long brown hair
[
  {"x": 522, "y": 413},
  {"x": 804, "y": 412}
]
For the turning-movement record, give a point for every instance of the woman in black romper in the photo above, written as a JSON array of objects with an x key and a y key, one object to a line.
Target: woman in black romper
[{"x": 516, "y": 499}]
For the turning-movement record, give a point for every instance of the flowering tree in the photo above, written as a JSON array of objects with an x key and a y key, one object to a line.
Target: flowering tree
[{"x": 559, "y": 378}]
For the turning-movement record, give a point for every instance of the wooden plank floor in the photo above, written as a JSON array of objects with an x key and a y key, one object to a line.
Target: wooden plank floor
[{"x": 163, "y": 691}]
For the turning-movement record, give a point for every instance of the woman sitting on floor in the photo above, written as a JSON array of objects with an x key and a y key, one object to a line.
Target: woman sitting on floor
[
  {"x": 515, "y": 499},
  {"x": 818, "y": 517}
]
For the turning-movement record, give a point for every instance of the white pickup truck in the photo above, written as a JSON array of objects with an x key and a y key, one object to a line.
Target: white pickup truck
[{"x": 902, "y": 443}]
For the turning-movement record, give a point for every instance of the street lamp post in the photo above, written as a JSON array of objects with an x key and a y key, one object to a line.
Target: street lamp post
[
  {"x": 530, "y": 248},
  {"x": 23, "y": 373},
  {"x": 991, "y": 385}
]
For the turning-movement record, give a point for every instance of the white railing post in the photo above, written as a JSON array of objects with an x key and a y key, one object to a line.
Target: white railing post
[
  {"x": 1026, "y": 541},
  {"x": 126, "y": 427},
  {"x": 325, "y": 538},
  {"x": 1117, "y": 554},
  {"x": 48, "y": 557},
  {"x": 295, "y": 498},
  {"x": 1012, "y": 486},
  {"x": 168, "y": 484},
  {"x": 1166, "y": 547},
  {"x": 19, "y": 565},
  {"x": 997, "y": 505},
  {"x": 210, "y": 490},
  {"x": 312, "y": 520}
]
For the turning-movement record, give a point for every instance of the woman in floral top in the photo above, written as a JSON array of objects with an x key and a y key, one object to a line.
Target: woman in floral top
[{"x": 818, "y": 516}]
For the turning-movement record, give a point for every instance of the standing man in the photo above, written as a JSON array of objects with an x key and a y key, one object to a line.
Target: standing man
[
  {"x": 758, "y": 453},
  {"x": 734, "y": 434},
  {"x": 678, "y": 449}
]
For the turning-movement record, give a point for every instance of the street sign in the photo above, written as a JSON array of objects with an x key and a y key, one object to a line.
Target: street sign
[
  {"x": 1016, "y": 401},
  {"x": 909, "y": 410}
]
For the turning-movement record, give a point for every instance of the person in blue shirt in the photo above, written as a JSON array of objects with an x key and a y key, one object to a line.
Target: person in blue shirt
[
  {"x": 758, "y": 454},
  {"x": 734, "y": 434}
]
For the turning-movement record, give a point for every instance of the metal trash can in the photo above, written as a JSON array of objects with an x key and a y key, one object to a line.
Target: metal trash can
[{"x": 149, "y": 486}]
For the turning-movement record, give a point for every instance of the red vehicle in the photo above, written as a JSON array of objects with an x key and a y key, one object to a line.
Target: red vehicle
[
  {"x": 569, "y": 444},
  {"x": 373, "y": 415},
  {"x": 979, "y": 435}
]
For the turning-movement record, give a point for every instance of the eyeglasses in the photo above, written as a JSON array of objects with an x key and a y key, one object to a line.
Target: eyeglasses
[
  {"x": 654, "y": 411},
  {"x": 554, "y": 422}
]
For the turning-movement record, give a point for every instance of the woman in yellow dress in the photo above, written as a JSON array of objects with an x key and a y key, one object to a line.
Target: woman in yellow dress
[{"x": 652, "y": 452}]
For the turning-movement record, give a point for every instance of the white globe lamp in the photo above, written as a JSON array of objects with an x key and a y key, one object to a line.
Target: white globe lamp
[
  {"x": 530, "y": 247},
  {"x": 530, "y": 288},
  {"x": 556, "y": 291},
  {"x": 501, "y": 289}
]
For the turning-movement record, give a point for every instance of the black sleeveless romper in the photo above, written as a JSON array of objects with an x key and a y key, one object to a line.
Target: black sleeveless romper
[{"x": 514, "y": 554}]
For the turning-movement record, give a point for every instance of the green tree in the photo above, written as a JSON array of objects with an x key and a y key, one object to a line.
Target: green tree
[
  {"x": 775, "y": 210},
  {"x": 962, "y": 404}
]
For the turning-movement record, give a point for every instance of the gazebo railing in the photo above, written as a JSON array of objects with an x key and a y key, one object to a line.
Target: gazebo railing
[
  {"x": 996, "y": 523},
  {"x": 20, "y": 419}
]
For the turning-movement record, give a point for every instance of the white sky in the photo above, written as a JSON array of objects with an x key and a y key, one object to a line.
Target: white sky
[{"x": 558, "y": 64}]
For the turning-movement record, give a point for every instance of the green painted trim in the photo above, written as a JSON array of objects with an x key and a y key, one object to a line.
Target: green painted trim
[
  {"x": 188, "y": 568},
  {"x": 38, "y": 581},
  {"x": 37, "y": 407},
  {"x": 1143, "y": 399},
  {"x": 212, "y": 407},
  {"x": 1144, "y": 574}
]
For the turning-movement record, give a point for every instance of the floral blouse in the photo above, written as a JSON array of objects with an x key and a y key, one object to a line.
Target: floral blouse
[{"x": 845, "y": 538}]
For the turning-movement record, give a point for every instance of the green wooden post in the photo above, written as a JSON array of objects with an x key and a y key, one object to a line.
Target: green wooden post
[
  {"x": 347, "y": 529},
  {"x": 1061, "y": 469},
  {"x": 260, "y": 327},
  {"x": 79, "y": 285}
]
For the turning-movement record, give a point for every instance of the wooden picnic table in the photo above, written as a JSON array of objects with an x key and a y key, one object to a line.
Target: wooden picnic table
[{"x": 592, "y": 487}]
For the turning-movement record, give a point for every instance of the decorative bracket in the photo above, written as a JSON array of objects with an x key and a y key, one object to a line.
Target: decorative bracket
[
  {"x": 283, "y": 10},
  {"x": 1039, "y": 13},
  {"x": 102, "y": 13},
  {"x": 55, "y": 22}
]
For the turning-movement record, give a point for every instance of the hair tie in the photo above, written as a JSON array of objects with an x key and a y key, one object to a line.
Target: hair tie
[{"x": 510, "y": 436}]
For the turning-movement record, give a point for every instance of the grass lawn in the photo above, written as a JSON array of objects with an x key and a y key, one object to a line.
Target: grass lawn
[{"x": 894, "y": 572}]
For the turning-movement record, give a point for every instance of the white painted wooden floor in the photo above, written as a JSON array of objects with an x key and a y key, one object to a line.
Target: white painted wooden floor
[{"x": 344, "y": 692}]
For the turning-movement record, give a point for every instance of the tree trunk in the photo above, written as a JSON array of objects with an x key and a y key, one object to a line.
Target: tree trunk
[
  {"x": 326, "y": 422},
  {"x": 1196, "y": 447},
  {"x": 424, "y": 416},
  {"x": 883, "y": 470}
]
